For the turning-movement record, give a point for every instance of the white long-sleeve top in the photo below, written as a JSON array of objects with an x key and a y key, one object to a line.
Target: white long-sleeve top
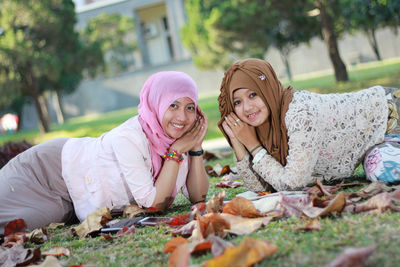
[
  {"x": 328, "y": 138},
  {"x": 112, "y": 169}
]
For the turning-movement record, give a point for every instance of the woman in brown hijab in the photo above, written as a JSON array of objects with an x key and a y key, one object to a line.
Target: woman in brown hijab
[{"x": 285, "y": 139}]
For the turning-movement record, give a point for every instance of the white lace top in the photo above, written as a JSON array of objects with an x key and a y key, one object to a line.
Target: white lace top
[{"x": 328, "y": 138}]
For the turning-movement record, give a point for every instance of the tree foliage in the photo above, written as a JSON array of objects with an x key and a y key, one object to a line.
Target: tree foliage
[
  {"x": 113, "y": 34},
  {"x": 216, "y": 31},
  {"x": 370, "y": 15},
  {"x": 39, "y": 51}
]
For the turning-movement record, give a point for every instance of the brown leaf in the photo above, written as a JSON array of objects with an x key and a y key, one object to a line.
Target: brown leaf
[
  {"x": 311, "y": 225},
  {"x": 12, "y": 256},
  {"x": 336, "y": 205},
  {"x": 212, "y": 223},
  {"x": 396, "y": 195},
  {"x": 374, "y": 189},
  {"x": 244, "y": 226},
  {"x": 249, "y": 252},
  {"x": 376, "y": 204},
  {"x": 352, "y": 257},
  {"x": 180, "y": 256},
  {"x": 108, "y": 237},
  {"x": 57, "y": 252},
  {"x": 215, "y": 203},
  {"x": 200, "y": 247},
  {"x": 93, "y": 222},
  {"x": 37, "y": 236},
  {"x": 14, "y": 239},
  {"x": 171, "y": 245},
  {"x": 210, "y": 171},
  {"x": 53, "y": 226},
  {"x": 218, "y": 245},
  {"x": 186, "y": 230},
  {"x": 125, "y": 231},
  {"x": 208, "y": 156},
  {"x": 242, "y": 207},
  {"x": 15, "y": 226},
  {"x": 131, "y": 211},
  {"x": 33, "y": 256},
  {"x": 229, "y": 184},
  {"x": 225, "y": 170}
]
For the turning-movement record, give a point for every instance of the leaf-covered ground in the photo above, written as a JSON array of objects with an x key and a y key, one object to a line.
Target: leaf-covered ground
[{"x": 295, "y": 248}]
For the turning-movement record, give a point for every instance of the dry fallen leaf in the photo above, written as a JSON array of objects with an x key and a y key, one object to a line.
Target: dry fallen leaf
[
  {"x": 180, "y": 256},
  {"x": 208, "y": 156},
  {"x": 310, "y": 226},
  {"x": 249, "y": 252},
  {"x": 37, "y": 236},
  {"x": 242, "y": 207},
  {"x": 186, "y": 230},
  {"x": 57, "y": 252},
  {"x": 53, "y": 226},
  {"x": 376, "y": 204},
  {"x": 93, "y": 222},
  {"x": 216, "y": 202},
  {"x": 352, "y": 257},
  {"x": 229, "y": 184},
  {"x": 335, "y": 205},
  {"x": 244, "y": 226},
  {"x": 212, "y": 223},
  {"x": 15, "y": 226},
  {"x": 171, "y": 245},
  {"x": 210, "y": 171},
  {"x": 218, "y": 245},
  {"x": 125, "y": 231}
]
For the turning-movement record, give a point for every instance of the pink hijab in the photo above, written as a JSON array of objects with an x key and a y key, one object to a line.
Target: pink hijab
[{"x": 158, "y": 93}]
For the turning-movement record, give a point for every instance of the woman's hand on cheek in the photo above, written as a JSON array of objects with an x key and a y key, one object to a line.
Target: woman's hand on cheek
[
  {"x": 189, "y": 139},
  {"x": 245, "y": 133},
  {"x": 203, "y": 130},
  {"x": 228, "y": 131}
]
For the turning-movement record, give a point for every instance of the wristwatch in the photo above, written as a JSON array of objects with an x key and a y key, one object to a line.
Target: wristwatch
[{"x": 196, "y": 153}]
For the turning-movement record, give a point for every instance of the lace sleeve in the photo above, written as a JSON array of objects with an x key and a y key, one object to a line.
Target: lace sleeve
[
  {"x": 302, "y": 157},
  {"x": 250, "y": 178}
]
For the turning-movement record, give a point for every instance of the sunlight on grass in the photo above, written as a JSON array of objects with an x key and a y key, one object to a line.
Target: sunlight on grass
[{"x": 385, "y": 73}]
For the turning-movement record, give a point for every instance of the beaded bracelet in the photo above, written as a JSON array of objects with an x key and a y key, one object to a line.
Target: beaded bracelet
[{"x": 174, "y": 155}]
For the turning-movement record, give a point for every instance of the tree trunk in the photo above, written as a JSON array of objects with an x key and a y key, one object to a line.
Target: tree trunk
[
  {"x": 285, "y": 59},
  {"x": 59, "y": 107},
  {"x": 43, "y": 119},
  {"x": 331, "y": 43},
  {"x": 373, "y": 42}
]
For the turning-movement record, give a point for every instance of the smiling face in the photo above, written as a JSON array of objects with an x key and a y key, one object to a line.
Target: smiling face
[
  {"x": 179, "y": 117},
  {"x": 249, "y": 107}
]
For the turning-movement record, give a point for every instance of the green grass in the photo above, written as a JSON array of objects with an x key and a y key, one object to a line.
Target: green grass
[
  {"x": 295, "y": 248},
  {"x": 385, "y": 73}
]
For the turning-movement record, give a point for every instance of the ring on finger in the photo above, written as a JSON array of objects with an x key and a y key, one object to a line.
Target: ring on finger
[{"x": 237, "y": 120}]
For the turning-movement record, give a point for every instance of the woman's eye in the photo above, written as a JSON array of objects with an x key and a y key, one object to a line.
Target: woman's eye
[
  {"x": 173, "y": 105},
  {"x": 235, "y": 103},
  {"x": 191, "y": 108},
  {"x": 253, "y": 95}
]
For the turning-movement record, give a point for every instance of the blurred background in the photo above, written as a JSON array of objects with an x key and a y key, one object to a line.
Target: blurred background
[{"x": 75, "y": 68}]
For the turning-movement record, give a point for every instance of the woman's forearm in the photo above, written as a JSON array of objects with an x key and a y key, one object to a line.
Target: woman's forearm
[
  {"x": 197, "y": 182},
  {"x": 239, "y": 149},
  {"x": 165, "y": 184}
]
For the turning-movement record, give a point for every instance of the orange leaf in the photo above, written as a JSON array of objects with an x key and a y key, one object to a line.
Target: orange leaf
[
  {"x": 311, "y": 225},
  {"x": 215, "y": 203},
  {"x": 15, "y": 226},
  {"x": 212, "y": 224},
  {"x": 180, "y": 256},
  {"x": 57, "y": 251},
  {"x": 202, "y": 246},
  {"x": 335, "y": 205},
  {"x": 249, "y": 252},
  {"x": 171, "y": 245},
  {"x": 225, "y": 170},
  {"x": 242, "y": 207}
]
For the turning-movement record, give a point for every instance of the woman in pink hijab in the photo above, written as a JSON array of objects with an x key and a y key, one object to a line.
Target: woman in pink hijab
[{"x": 144, "y": 161}]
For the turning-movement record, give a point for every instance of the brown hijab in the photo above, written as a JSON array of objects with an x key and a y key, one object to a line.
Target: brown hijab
[{"x": 258, "y": 75}]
